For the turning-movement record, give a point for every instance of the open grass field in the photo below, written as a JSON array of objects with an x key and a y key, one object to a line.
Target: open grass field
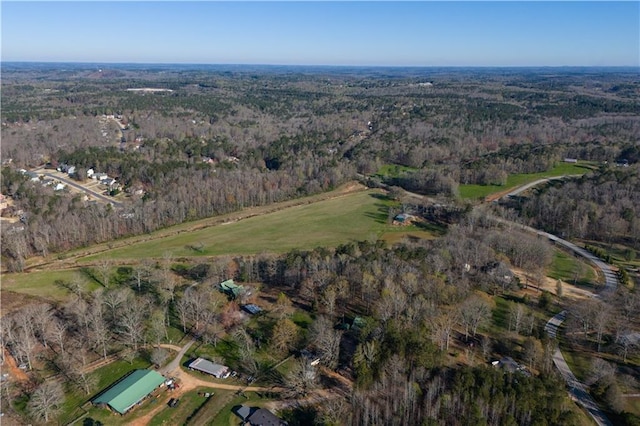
[
  {"x": 515, "y": 180},
  {"x": 570, "y": 269},
  {"x": 393, "y": 170},
  {"x": 352, "y": 217},
  {"x": 190, "y": 404},
  {"x": 43, "y": 283}
]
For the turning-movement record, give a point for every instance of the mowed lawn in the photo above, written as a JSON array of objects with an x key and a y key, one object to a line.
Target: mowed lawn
[
  {"x": 515, "y": 180},
  {"x": 351, "y": 217}
]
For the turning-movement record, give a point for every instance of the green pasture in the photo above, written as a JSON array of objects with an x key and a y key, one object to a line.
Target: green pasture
[
  {"x": 42, "y": 283},
  {"x": 326, "y": 223},
  {"x": 190, "y": 404},
  {"x": 516, "y": 180},
  {"x": 393, "y": 170}
]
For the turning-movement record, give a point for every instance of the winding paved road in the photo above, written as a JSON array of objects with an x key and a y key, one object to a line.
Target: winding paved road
[
  {"x": 577, "y": 390},
  {"x": 530, "y": 185}
]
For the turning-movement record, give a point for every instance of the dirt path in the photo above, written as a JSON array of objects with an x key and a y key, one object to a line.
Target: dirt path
[
  {"x": 186, "y": 384},
  {"x": 10, "y": 365}
]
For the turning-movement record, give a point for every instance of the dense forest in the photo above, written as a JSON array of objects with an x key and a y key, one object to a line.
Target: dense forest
[
  {"x": 417, "y": 302},
  {"x": 405, "y": 330},
  {"x": 221, "y": 139},
  {"x": 600, "y": 206}
]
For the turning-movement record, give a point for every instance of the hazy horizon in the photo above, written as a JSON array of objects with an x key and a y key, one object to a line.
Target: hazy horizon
[{"x": 369, "y": 34}]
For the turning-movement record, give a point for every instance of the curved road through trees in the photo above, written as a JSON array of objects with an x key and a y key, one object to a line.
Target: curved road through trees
[{"x": 577, "y": 390}]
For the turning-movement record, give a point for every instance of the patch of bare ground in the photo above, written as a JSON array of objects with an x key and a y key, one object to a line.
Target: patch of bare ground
[
  {"x": 11, "y": 301},
  {"x": 569, "y": 291},
  {"x": 11, "y": 367}
]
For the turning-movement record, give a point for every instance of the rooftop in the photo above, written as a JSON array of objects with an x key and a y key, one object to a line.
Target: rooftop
[{"x": 130, "y": 390}]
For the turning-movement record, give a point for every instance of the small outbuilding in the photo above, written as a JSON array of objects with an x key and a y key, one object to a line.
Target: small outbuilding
[
  {"x": 130, "y": 390},
  {"x": 216, "y": 370},
  {"x": 252, "y": 309}
]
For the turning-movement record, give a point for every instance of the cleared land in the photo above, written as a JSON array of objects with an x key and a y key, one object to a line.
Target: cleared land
[
  {"x": 42, "y": 284},
  {"x": 326, "y": 223},
  {"x": 350, "y": 217},
  {"x": 570, "y": 269},
  {"x": 515, "y": 180}
]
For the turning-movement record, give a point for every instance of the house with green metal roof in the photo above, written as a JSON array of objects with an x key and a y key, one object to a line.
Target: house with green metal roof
[
  {"x": 230, "y": 288},
  {"x": 130, "y": 390}
]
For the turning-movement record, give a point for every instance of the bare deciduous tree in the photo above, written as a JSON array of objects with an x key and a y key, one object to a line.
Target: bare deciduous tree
[
  {"x": 159, "y": 356},
  {"x": 327, "y": 341},
  {"x": 442, "y": 327},
  {"x": 46, "y": 400},
  {"x": 284, "y": 335},
  {"x": 517, "y": 314},
  {"x": 473, "y": 312},
  {"x": 301, "y": 380}
]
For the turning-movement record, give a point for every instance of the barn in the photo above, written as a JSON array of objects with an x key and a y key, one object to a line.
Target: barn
[{"x": 130, "y": 390}]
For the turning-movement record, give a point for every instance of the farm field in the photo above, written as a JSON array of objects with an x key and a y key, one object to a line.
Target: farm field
[
  {"x": 515, "y": 180},
  {"x": 331, "y": 222}
]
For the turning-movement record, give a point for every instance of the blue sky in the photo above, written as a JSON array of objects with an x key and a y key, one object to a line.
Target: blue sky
[{"x": 325, "y": 33}]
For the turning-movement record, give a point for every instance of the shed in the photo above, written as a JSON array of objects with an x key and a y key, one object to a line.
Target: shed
[
  {"x": 206, "y": 366},
  {"x": 252, "y": 309},
  {"x": 130, "y": 390}
]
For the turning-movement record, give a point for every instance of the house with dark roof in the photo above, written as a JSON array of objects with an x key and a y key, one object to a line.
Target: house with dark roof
[
  {"x": 259, "y": 416},
  {"x": 252, "y": 309},
  {"x": 123, "y": 395}
]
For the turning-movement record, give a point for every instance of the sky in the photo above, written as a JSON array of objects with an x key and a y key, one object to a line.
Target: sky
[{"x": 427, "y": 33}]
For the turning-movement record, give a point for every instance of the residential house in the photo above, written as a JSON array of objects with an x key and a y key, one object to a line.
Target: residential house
[
  {"x": 259, "y": 417},
  {"x": 231, "y": 289},
  {"x": 216, "y": 370}
]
